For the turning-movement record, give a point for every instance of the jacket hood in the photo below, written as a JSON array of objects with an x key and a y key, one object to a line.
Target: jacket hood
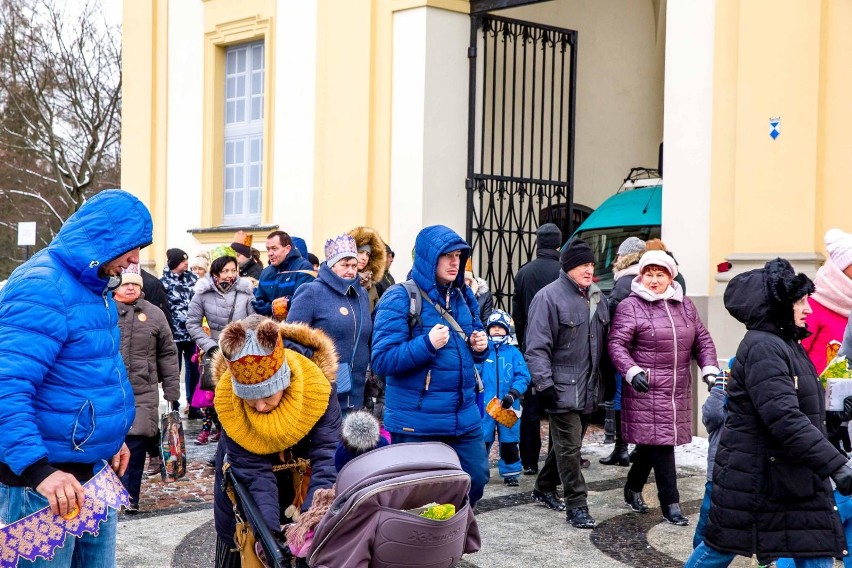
[
  {"x": 763, "y": 298},
  {"x": 378, "y": 255},
  {"x": 205, "y": 285},
  {"x": 108, "y": 225},
  {"x": 340, "y": 285},
  {"x": 626, "y": 260},
  {"x": 430, "y": 244},
  {"x": 300, "y": 245}
]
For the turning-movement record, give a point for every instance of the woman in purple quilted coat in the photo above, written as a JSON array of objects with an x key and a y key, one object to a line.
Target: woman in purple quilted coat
[{"x": 654, "y": 336}]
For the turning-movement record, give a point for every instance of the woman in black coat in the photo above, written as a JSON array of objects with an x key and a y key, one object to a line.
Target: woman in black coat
[{"x": 771, "y": 494}]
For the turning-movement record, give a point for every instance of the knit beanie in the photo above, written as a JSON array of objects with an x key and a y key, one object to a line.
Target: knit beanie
[
  {"x": 242, "y": 243},
  {"x": 340, "y": 247},
  {"x": 839, "y": 245},
  {"x": 548, "y": 236},
  {"x": 574, "y": 253},
  {"x": 499, "y": 318},
  {"x": 256, "y": 360},
  {"x": 201, "y": 261},
  {"x": 174, "y": 257},
  {"x": 631, "y": 244},
  {"x": 131, "y": 275},
  {"x": 658, "y": 258},
  {"x": 359, "y": 434}
]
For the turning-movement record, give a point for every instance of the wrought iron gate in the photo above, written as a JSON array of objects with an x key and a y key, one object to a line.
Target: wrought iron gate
[{"x": 520, "y": 143}]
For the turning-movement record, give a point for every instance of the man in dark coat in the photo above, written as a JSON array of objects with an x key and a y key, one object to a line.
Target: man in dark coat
[
  {"x": 771, "y": 494},
  {"x": 278, "y": 282},
  {"x": 530, "y": 278},
  {"x": 566, "y": 340}
]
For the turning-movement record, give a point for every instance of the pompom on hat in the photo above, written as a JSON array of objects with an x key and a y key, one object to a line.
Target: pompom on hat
[
  {"x": 340, "y": 247},
  {"x": 359, "y": 434},
  {"x": 131, "y": 275},
  {"x": 658, "y": 258},
  {"x": 839, "y": 246},
  {"x": 242, "y": 243}
]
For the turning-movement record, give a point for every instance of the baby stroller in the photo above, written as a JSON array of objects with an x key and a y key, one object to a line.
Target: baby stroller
[{"x": 374, "y": 521}]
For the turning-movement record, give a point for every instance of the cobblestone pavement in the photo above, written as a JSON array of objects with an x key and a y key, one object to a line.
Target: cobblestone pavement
[{"x": 175, "y": 527}]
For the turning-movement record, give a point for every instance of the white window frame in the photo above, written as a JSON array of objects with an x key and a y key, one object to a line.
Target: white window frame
[{"x": 245, "y": 83}]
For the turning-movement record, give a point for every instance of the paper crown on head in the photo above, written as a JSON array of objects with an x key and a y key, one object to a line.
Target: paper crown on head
[
  {"x": 340, "y": 247},
  {"x": 242, "y": 243},
  {"x": 131, "y": 275},
  {"x": 222, "y": 250},
  {"x": 257, "y": 374}
]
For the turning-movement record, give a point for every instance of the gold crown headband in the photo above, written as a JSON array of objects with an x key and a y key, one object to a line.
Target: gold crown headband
[{"x": 252, "y": 368}]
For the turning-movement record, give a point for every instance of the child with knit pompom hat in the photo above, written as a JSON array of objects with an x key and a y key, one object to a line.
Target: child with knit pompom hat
[{"x": 278, "y": 407}]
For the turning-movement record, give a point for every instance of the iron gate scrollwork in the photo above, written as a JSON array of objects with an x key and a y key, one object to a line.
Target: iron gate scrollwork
[{"x": 520, "y": 143}]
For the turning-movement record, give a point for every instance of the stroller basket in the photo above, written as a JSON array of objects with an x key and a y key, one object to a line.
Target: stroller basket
[{"x": 371, "y": 522}]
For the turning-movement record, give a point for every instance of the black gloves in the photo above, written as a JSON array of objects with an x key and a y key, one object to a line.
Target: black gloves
[
  {"x": 640, "y": 382},
  {"x": 843, "y": 479},
  {"x": 547, "y": 398},
  {"x": 510, "y": 398}
]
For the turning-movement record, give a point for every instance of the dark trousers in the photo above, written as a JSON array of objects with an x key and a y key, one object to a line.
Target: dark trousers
[
  {"x": 132, "y": 478},
  {"x": 563, "y": 458},
  {"x": 530, "y": 430},
  {"x": 661, "y": 459},
  {"x": 186, "y": 349}
]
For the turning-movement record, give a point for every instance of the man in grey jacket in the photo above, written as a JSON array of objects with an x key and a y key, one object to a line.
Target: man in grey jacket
[{"x": 566, "y": 338}]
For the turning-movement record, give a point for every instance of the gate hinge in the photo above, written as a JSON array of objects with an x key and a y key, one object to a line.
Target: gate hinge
[
  {"x": 471, "y": 52},
  {"x": 468, "y": 183}
]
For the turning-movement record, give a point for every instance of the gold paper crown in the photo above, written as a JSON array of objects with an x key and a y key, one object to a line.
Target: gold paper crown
[
  {"x": 243, "y": 238},
  {"x": 254, "y": 369}
]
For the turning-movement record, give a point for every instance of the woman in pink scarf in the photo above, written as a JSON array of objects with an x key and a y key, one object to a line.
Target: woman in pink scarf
[{"x": 832, "y": 301}]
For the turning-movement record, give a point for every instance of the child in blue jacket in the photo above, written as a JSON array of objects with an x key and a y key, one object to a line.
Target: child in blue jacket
[{"x": 505, "y": 376}]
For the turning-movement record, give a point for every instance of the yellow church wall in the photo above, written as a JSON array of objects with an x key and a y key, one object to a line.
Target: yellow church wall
[
  {"x": 790, "y": 60},
  {"x": 144, "y": 112}
]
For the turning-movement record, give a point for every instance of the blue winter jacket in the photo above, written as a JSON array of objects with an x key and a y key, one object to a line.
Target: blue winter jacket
[
  {"x": 340, "y": 308},
  {"x": 504, "y": 368},
  {"x": 66, "y": 396},
  {"x": 429, "y": 392},
  {"x": 282, "y": 281}
]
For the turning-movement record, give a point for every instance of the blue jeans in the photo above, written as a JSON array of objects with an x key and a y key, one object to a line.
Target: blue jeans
[
  {"x": 706, "y": 556},
  {"x": 470, "y": 448},
  {"x": 88, "y": 551},
  {"x": 703, "y": 515}
]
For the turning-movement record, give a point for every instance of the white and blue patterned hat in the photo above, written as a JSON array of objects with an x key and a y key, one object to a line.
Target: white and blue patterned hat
[{"x": 340, "y": 247}]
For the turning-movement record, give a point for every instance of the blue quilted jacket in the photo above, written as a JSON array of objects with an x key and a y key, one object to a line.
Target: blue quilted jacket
[
  {"x": 446, "y": 405},
  {"x": 64, "y": 387}
]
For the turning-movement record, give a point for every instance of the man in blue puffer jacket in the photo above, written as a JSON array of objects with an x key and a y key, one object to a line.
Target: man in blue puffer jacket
[
  {"x": 67, "y": 402},
  {"x": 429, "y": 367}
]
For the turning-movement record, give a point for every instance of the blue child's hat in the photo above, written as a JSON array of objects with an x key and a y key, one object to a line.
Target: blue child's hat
[{"x": 501, "y": 318}]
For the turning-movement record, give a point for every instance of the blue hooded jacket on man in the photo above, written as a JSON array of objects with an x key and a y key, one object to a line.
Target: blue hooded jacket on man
[
  {"x": 429, "y": 392},
  {"x": 66, "y": 396}
]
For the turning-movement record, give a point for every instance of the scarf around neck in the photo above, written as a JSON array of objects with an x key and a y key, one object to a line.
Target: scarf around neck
[
  {"x": 833, "y": 289},
  {"x": 303, "y": 404}
]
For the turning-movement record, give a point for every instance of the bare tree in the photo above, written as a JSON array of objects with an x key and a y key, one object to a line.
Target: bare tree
[{"x": 60, "y": 111}]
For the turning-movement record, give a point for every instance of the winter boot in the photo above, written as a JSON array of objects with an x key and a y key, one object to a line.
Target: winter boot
[
  {"x": 673, "y": 515},
  {"x": 215, "y": 437},
  {"x": 635, "y": 500},
  {"x": 203, "y": 438},
  {"x": 619, "y": 455}
]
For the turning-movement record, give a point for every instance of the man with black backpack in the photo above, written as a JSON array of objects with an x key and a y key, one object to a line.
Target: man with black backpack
[{"x": 426, "y": 339}]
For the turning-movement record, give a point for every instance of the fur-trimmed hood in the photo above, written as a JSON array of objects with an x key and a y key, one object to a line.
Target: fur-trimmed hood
[
  {"x": 300, "y": 337},
  {"x": 378, "y": 256},
  {"x": 626, "y": 260}
]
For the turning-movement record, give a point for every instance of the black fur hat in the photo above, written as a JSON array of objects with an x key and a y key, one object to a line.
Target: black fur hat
[{"x": 783, "y": 288}]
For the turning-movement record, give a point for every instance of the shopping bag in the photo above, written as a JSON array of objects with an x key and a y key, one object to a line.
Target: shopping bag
[{"x": 172, "y": 447}]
